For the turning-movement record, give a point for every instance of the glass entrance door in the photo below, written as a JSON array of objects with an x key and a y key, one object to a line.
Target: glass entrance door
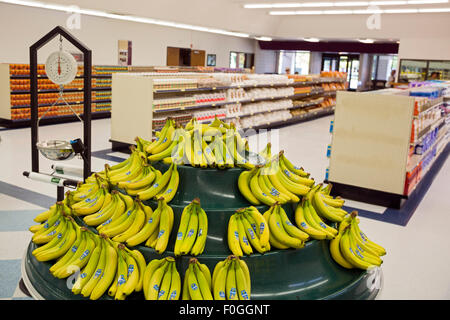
[{"x": 353, "y": 75}]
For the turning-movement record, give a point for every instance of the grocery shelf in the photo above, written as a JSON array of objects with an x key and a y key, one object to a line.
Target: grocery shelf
[
  {"x": 311, "y": 115},
  {"x": 329, "y": 93},
  {"x": 223, "y": 87},
  {"x": 262, "y": 85},
  {"x": 418, "y": 158},
  {"x": 62, "y": 104},
  {"x": 42, "y": 76},
  {"x": 22, "y": 123},
  {"x": 274, "y": 110},
  {"x": 57, "y": 91},
  {"x": 299, "y": 95},
  {"x": 430, "y": 127},
  {"x": 203, "y": 106}
]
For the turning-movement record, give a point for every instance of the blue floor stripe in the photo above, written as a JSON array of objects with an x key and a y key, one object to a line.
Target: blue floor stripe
[
  {"x": 18, "y": 220},
  {"x": 9, "y": 277},
  {"x": 26, "y": 195}
]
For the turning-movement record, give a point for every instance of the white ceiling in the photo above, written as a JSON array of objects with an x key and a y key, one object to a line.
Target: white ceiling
[{"x": 230, "y": 15}]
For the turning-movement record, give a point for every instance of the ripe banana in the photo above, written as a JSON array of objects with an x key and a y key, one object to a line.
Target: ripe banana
[
  {"x": 158, "y": 186},
  {"x": 244, "y": 186},
  {"x": 303, "y": 224}
]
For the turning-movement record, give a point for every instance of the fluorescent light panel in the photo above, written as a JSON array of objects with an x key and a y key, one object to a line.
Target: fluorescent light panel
[
  {"x": 263, "y": 38},
  {"x": 364, "y": 11},
  {"x": 103, "y": 14},
  {"x": 311, "y": 39},
  {"x": 340, "y": 4}
]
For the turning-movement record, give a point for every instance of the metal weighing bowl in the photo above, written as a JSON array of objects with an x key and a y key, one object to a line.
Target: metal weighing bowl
[{"x": 56, "y": 150}]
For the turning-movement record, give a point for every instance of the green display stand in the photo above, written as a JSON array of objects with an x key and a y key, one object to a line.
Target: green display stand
[{"x": 307, "y": 273}]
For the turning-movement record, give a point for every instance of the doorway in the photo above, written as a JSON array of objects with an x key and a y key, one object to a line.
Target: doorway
[{"x": 348, "y": 63}]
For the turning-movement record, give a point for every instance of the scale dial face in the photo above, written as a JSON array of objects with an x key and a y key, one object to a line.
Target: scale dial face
[{"x": 61, "y": 67}]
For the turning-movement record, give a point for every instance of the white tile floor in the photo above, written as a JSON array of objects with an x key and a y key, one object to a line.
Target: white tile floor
[{"x": 418, "y": 259}]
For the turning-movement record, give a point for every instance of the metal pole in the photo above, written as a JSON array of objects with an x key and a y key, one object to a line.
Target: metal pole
[
  {"x": 59, "y": 193},
  {"x": 87, "y": 118},
  {"x": 34, "y": 110}
]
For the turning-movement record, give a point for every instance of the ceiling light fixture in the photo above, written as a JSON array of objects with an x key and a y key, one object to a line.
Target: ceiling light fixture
[
  {"x": 400, "y": 11},
  {"x": 340, "y": 4},
  {"x": 103, "y": 14},
  {"x": 351, "y": 4},
  {"x": 366, "y": 40},
  {"x": 434, "y": 10},
  {"x": 387, "y": 3},
  {"x": 364, "y": 11},
  {"x": 263, "y": 38},
  {"x": 311, "y": 39},
  {"x": 427, "y": 1}
]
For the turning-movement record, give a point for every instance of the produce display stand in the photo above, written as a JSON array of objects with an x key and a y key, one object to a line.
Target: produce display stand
[{"x": 307, "y": 273}]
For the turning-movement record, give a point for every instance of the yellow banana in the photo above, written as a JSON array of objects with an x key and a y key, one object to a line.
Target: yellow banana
[
  {"x": 231, "y": 290},
  {"x": 202, "y": 231},
  {"x": 243, "y": 240},
  {"x": 175, "y": 285},
  {"x": 277, "y": 230},
  {"x": 244, "y": 186},
  {"x": 108, "y": 275},
  {"x": 155, "y": 281},
  {"x": 193, "y": 285},
  {"x": 158, "y": 186},
  {"x": 191, "y": 232},
  {"x": 303, "y": 224}
]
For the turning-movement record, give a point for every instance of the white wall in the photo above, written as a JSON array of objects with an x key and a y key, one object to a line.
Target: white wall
[
  {"x": 265, "y": 60},
  {"x": 431, "y": 48},
  {"x": 21, "y": 26}
]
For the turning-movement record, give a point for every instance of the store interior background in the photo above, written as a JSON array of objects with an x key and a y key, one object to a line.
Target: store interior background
[{"x": 421, "y": 36}]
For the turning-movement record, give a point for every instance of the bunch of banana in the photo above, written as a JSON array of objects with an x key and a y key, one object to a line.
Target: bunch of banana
[
  {"x": 165, "y": 138},
  {"x": 109, "y": 211},
  {"x": 197, "y": 284},
  {"x": 283, "y": 233},
  {"x": 99, "y": 272},
  {"x": 325, "y": 205},
  {"x": 78, "y": 255},
  {"x": 273, "y": 182},
  {"x": 161, "y": 280},
  {"x": 248, "y": 229},
  {"x": 128, "y": 173},
  {"x": 310, "y": 222},
  {"x": 352, "y": 249},
  {"x": 289, "y": 166},
  {"x": 142, "y": 145},
  {"x": 193, "y": 229},
  {"x": 93, "y": 202},
  {"x": 172, "y": 147},
  {"x": 126, "y": 219},
  {"x": 129, "y": 272},
  {"x": 231, "y": 280},
  {"x": 143, "y": 181},
  {"x": 201, "y": 145},
  {"x": 156, "y": 228},
  {"x": 87, "y": 189},
  {"x": 50, "y": 220},
  {"x": 61, "y": 239},
  {"x": 164, "y": 186}
]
